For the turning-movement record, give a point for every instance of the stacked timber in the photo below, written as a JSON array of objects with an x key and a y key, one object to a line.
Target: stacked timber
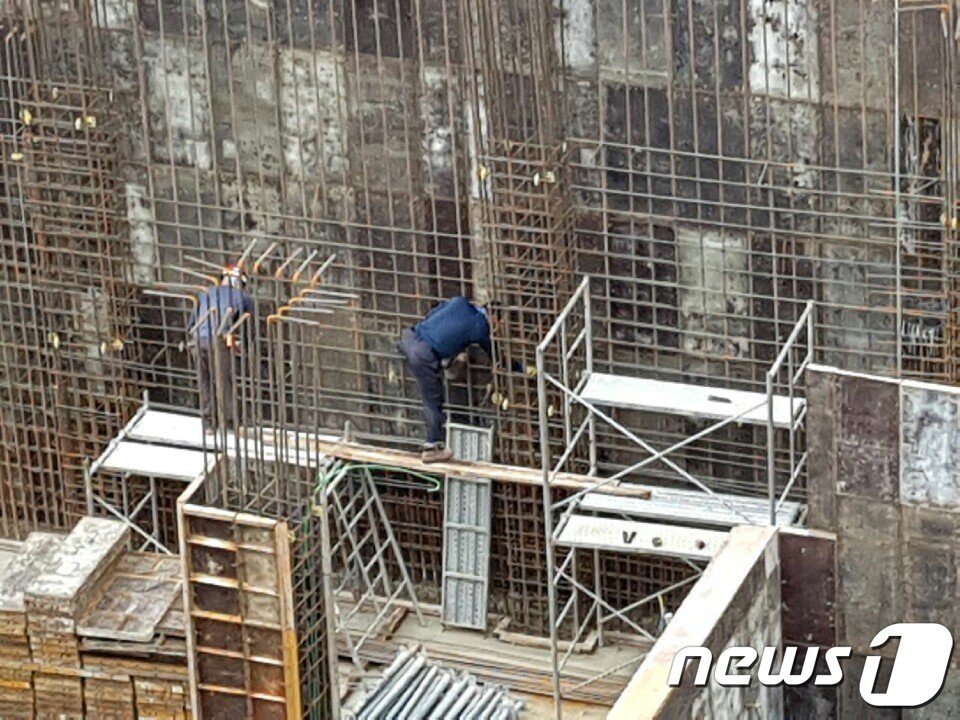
[
  {"x": 65, "y": 584},
  {"x": 162, "y": 699},
  {"x": 52, "y": 601},
  {"x": 25, "y": 565},
  {"x": 91, "y": 630},
  {"x": 135, "y": 630},
  {"x": 16, "y": 677},
  {"x": 109, "y": 697},
  {"x": 16, "y": 693},
  {"x": 59, "y": 695}
]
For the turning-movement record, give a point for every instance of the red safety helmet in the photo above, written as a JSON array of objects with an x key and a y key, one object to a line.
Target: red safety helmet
[{"x": 234, "y": 276}]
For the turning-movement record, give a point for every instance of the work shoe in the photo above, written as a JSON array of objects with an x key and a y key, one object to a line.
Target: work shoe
[{"x": 435, "y": 452}]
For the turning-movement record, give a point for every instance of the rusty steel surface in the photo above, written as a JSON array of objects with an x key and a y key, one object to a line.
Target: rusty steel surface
[
  {"x": 457, "y": 148},
  {"x": 808, "y": 578}
]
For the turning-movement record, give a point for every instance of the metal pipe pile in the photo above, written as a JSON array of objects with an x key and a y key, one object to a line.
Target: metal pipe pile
[{"x": 412, "y": 688}]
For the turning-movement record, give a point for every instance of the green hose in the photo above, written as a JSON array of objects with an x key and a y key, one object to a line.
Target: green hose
[
  {"x": 433, "y": 484},
  {"x": 324, "y": 478}
]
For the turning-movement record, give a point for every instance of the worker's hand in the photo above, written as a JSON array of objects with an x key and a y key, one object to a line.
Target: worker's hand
[
  {"x": 524, "y": 369},
  {"x": 455, "y": 366}
]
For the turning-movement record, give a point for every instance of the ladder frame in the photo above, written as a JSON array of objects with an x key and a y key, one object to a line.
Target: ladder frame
[{"x": 339, "y": 539}]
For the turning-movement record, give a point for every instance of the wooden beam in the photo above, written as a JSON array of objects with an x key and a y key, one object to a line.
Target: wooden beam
[{"x": 358, "y": 452}]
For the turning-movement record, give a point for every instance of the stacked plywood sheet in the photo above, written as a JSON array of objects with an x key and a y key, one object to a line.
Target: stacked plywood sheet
[
  {"x": 109, "y": 697},
  {"x": 16, "y": 691},
  {"x": 65, "y": 584},
  {"x": 90, "y": 630},
  {"x": 58, "y": 695},
  {"x": 18, "y": 572},
  {"x": 162, "y": 699},
  {"x": 16, "y": 675},
  {"x": 134, "y": 629},
  {"x": 156, "y": 689},
  {"x": 135, "y": 597}
]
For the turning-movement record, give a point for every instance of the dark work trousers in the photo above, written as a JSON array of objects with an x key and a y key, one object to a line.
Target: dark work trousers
[
  {"x": 424, "y": 364},
  {"x": 217, "y": 381}
]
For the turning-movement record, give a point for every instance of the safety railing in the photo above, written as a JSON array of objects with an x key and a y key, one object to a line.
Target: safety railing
[{"x": 788, "y": 360}]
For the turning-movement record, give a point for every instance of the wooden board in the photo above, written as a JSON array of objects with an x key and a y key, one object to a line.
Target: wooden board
[
  {"x": 23, "y": 568},
  {"x": 130, "y": 608},
  {"x": 239, "y": 600},
  {"x": 135, "y": 597},
  {"x": 494, "y": 471}
]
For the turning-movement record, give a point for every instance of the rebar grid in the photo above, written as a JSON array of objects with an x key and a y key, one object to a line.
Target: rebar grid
[{"x": 711, "y": 172}]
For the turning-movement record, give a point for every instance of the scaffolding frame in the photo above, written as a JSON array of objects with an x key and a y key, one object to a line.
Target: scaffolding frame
[
  {"x": 567, "y": 382},
  {"x": 352, "y": 518},
  {"x": 142, "y": 514}
]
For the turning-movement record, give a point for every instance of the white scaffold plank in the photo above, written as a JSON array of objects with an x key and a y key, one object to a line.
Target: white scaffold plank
[
  {"x": 693, "y": 507},
  {"x": 156, "y": 461},
  {"x": 584, "y": 531},
  {"x": 172, "y": 428},
  {"x": 698, "y": 401}
]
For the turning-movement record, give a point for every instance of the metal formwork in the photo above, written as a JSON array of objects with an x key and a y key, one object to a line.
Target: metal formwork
[
  {"x": 468, "y": 506},
  {"x": 466, "y": 552}
]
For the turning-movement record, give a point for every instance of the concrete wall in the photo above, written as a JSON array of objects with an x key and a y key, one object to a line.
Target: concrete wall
[
  {"x": 736, "y": 602},
  {"x": 757, "y": 83},
  {"x": 883, "y": 477},
  {"x": 252, "y": 120}
]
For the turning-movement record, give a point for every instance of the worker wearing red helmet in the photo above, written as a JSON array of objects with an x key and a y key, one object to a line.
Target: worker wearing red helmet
[{"x": 219, "y": 309}]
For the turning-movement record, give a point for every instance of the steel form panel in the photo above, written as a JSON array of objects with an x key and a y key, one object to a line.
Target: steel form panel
[
  {"x": 470, "y": 443},
  {"x": 466, "y": 532}
]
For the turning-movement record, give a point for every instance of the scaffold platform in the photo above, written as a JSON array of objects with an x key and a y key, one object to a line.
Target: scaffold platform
[
  {"x": 693, "y": 507},
  {"x": 695, "y": 401}
]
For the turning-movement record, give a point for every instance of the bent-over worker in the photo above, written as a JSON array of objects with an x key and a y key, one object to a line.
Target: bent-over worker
[
  {"x": 220, "y": 308},
  {"x": 446, "y": 331}
]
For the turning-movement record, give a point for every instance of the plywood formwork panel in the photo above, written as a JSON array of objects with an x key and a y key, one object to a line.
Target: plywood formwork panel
[{"x": 239, "y": 597}]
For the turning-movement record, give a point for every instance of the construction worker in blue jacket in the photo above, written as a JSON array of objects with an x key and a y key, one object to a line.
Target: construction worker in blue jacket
[
  {"x": 219, "y": 308},
  {"x": 446, "y": 331}
]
